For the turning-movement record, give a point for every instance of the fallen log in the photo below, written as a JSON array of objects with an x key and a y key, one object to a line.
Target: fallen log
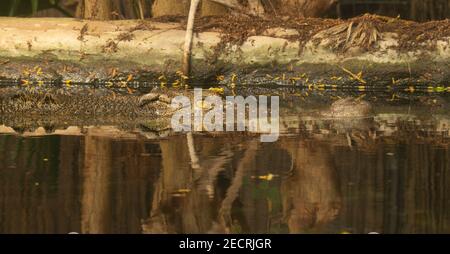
[{"x": 62, "y": 49}]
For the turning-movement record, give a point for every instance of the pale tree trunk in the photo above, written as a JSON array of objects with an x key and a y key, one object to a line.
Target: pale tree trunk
[
  {"x": 79, "y": 12},
  {"x": 170, "y": 7},
  {"x": 210, "y": 8},
  {"x": 143, "y": 9},
  {"x": 189, "y": 38},
  {"x": 115, "y": 9},
  {"x": 256, "y": 8},
  {"x": 234, "y": 4},
  {"x": 126, "y": 8},
  {"x": 305, "y": 8},
  {"x": 221, "y": 7},
  {"x": 97, "y": 9}
]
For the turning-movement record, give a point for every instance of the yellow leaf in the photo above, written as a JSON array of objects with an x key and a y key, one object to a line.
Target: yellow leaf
[
  {"x": 410, "y": 89},
  {"x": 113, "y": 72},
  {"x": 218, "y": 90},
  {"x": 393, "y": 97},
  {"x": 440, "y": 89},
  {"x": 176, "y": 83},
  {"x": 268, "y": 177},
  {"x": 130, "y": 91},
  {"x": 359, "y": 75},
  {"x": 180, "y": 195},
  {"x": 233, "y": 78},
  {"x": 360, "y": 97},
  {"x": 355, "y": 76},
  {"x": 130, "y": 77},
  {"x": 25, "y": 82},
  {"x": 202, "y": 105},
  {"x": 394, "y": 82}
]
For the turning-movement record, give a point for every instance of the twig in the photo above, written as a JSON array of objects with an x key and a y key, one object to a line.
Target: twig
[
  {"x": 192, "y": 154},
  {"x": 357, "y": 77}
]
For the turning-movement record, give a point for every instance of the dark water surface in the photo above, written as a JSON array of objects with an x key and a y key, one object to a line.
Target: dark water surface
[{"x": 392, "y": 178}]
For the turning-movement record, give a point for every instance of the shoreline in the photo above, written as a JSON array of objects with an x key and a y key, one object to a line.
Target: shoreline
[{"x": 61, "y": 50}]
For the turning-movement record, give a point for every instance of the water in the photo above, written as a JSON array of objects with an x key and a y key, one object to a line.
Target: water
[{"x": 389, "y": 174}]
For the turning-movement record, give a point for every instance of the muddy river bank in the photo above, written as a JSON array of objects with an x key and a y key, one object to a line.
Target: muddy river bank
[{"x": 364, "y": 51}]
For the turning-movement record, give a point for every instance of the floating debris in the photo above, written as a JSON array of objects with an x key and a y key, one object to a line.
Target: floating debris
[
  {"x": 218, "y": 90},
  {"x": 268, "y": 177},
  {"x": 355, "y": 76}
]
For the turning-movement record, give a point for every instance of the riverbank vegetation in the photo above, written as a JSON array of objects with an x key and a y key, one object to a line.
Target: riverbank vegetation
[
  {"x": 418, "y": 10},
  {"x": 252, "y": 39}
]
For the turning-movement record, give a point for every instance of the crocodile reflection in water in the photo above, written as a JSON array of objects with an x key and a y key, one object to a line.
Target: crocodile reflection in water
[
  {"x": 311, "y": 197},
  {"x": 349, "y": 108},
  {"x": 353, "y": 117},
  {"x": 310, "y": 194},
  {"x": 180, "y": 195}
]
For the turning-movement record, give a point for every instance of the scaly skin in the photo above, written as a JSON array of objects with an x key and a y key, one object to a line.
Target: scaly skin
[
  {"x": 25, "y": 108},
  {"x": 349, "y": 108}
]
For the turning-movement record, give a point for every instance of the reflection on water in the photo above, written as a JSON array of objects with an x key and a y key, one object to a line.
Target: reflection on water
[{"x": 114, "y": 182}]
